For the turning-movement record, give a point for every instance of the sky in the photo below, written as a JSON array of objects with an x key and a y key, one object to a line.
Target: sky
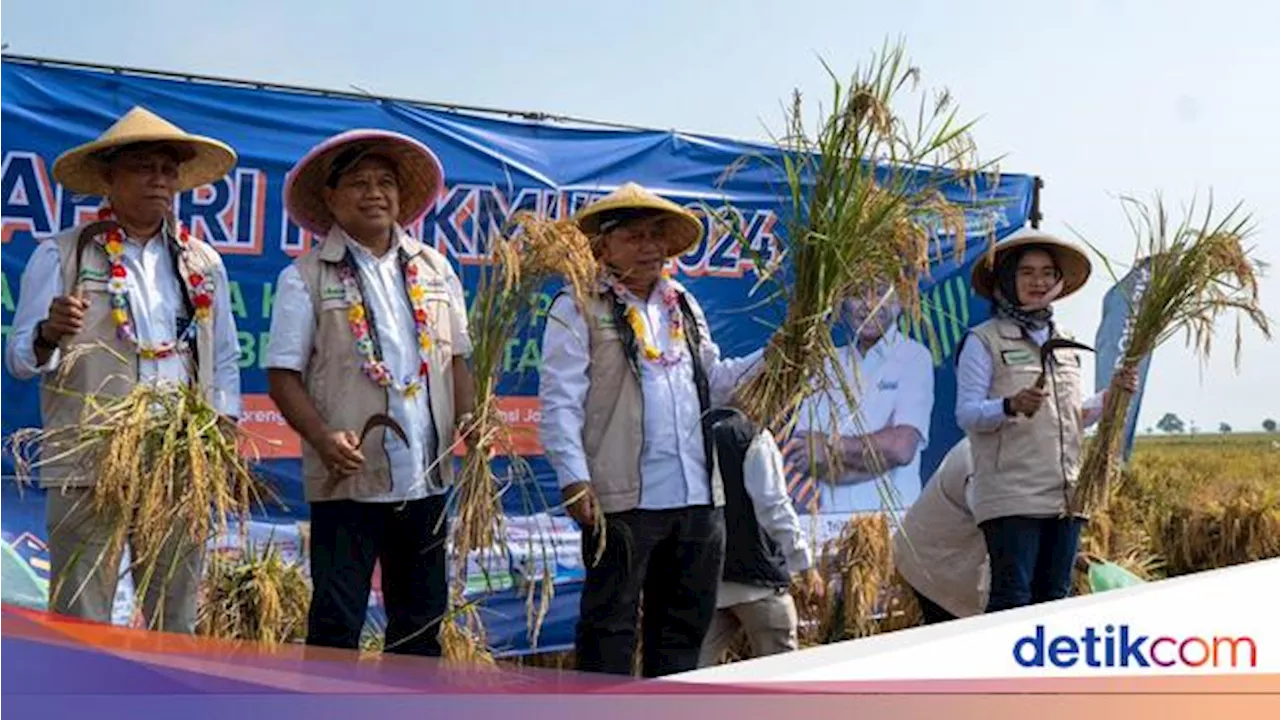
[{"x": 1101, "y": 98}]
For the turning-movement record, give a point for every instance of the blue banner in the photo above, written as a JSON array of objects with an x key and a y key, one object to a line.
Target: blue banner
[
  {"x": 1113, "y": 337},
  {"x": 493, "y": 167}
]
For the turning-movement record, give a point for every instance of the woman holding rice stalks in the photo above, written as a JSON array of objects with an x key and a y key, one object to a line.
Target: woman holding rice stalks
[
  {"x": 127, "y": 321},
  {"x": 367, "y": 363},
  {"x": 1024, "y": 413},
  {"x": 625, "y": 385}
]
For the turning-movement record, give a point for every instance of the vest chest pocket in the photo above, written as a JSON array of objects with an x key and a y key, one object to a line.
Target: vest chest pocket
[
  {"x": 332, "y": 304},
  {"x": 92, "y": 285}
]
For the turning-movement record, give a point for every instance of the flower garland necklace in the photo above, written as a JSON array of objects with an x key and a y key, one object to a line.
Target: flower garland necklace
[
  {"x": 374, "y": 367},
  {"x": 199, "y": 286},
  {"x": 675, "y": 321}
]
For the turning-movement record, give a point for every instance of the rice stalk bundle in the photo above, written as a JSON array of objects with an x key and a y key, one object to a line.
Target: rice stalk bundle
[
  {"x": 1242, "y": 529},
  {"x": 168, "y": 472},
  {"x": 462, "y": 636},
  {"x": 1120, "y": 527},
  {"x": 862, "y": 559},
  {"x": 862, "y": 204},
  {"x": 256, "y": 596},
  {"x": 533, "y": 252},
  {"x": 1197, "y": 272}
]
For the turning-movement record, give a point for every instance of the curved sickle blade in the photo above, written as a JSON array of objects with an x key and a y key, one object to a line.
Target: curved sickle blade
[
  {"x": 1046, "y": 352},
  {"x": 385, "y": 421},
  {"x": 376, "y": 420}
]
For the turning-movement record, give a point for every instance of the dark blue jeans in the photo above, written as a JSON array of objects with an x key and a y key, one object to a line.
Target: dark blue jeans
[{"x": 1031, "y": 559}]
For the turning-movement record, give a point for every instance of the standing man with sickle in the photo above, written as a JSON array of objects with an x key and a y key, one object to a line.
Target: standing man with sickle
[{"x": 372, "y": 323}]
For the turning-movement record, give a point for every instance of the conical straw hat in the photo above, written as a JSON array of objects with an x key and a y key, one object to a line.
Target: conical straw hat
[
  {"x": 686, "y": 233},
  {"x": 1071, "y": 261},
  {"x": 419, "y": 171},
  {"x": 81, "y": 169}
]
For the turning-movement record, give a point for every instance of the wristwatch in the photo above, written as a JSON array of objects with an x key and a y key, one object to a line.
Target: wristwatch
[
  {"x": 1008, "y": 407},
  {"x": 40, "y": 342}
]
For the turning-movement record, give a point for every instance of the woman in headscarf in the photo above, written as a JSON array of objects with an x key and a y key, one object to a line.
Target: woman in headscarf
[{"x": 1025, "y": 420}]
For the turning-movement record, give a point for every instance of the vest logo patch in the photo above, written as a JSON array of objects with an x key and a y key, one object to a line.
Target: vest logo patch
[
  {"x": 91, "y": 274},
  {"x": 606, "y": 322},
  {"x": 1017, "y": 357},
  {"x": 333, "y": 293}
]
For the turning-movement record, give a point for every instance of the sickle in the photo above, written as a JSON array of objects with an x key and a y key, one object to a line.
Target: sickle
[
  {"x": 1046, "y": 351},
  {"x": 375, "y": 420},
  {"x": 385, "y": 421}
]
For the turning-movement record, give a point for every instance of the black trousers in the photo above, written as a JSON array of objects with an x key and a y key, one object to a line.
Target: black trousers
[
  {"x": 347, "y": 538},
  {"x": 674, "y": 558}
]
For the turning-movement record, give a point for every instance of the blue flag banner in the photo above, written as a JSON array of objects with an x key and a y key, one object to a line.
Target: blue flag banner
[
  {"x": 493, "y": 167},
  {"x": 1113, "y": 338}
]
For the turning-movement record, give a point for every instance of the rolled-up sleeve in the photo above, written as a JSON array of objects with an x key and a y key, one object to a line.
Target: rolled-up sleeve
[
  {"x": 765, "y": 481},
  {"x": 293, "y": 323},
  {"x": 724, "y": 375},
  {"x": 975, "y": 411},
  {"x": 562, "y": 391},
  {"x": 41, "y": 283}
]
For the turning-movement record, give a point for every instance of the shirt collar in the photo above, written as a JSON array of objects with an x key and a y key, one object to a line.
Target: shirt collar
[{"x": 337, "y": 242}]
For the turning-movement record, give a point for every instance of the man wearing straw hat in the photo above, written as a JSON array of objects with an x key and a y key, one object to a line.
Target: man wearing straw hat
[
  {"x": 625, "y": 388},
  {"x": 372, "y": 323},
  {"x": 135, "y": 282},
  {"x": 1026, "y": 433}
]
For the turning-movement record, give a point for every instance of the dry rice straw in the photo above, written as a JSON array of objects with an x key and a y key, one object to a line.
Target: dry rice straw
[
  {"x": 167, "y": 470},
  {"x": 532, "y": 252}
]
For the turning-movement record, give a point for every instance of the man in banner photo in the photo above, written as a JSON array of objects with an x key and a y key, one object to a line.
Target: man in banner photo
[
  {"x": 625, "y": 388},
  {"x": 138, "y": 284},
  {"x": 372, "y": 325},
  {"x": 892, "y": 377}
]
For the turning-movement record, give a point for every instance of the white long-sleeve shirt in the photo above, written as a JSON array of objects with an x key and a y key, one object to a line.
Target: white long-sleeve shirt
[
  {"x": 155, "y": 300},
  {"x": 293, "y": 327},
  {"x": 673, "y": 468},
  {"x": 765, "y": 481},
  {"x": 975, "y": 410},
  {"x": 893, "y": 384}
]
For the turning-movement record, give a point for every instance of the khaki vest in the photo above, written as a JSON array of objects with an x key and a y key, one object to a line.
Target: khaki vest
[
  {"x": 1027, "y": 465},
  {"x": 943, "y": 551},
  {"x": 613, "y": 434},
  {"x": 338, "y": 388},
  {"x": 98, "y": 372}
]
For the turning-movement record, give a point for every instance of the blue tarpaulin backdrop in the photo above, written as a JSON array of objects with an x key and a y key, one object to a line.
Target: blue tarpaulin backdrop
[{"x": 492, "y": 168}]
